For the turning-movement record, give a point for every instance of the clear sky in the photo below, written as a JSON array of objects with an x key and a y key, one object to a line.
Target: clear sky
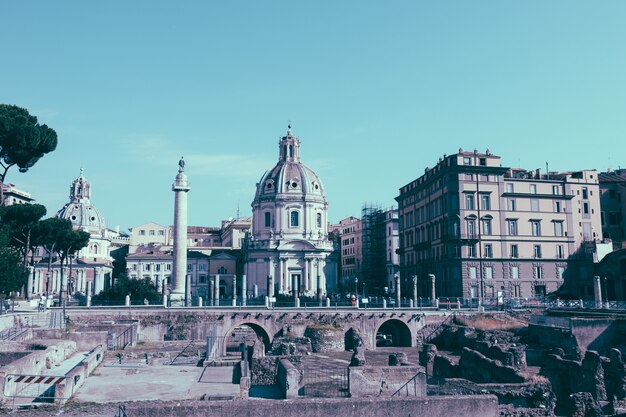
[{"x": 376, "y": 91}]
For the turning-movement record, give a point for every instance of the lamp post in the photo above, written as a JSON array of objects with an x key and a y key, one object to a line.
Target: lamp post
[{"x": 356, "y": 287}]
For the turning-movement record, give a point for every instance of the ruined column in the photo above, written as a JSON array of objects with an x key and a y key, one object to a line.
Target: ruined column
[
  {"x": 414, "y": 279},
  {"x": 597, "y": 291},
  {"x": 164, "y": 292},
  {"x": 244, "y": 290},
  {"x": 88, "y": 294},
  {"x": 398, "y": 291},
  {"x": 294, "y": 287},
  {"x": 234, "y": 304},
  {"x": 29, "y": 284},
  {"x": 216, "y": 291},
  {"x": 433, "y": 295},
  {"x": 211, "y": 291},
  {"x": 179, "y": 274}
]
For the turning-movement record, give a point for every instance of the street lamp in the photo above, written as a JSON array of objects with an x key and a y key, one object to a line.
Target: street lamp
[{"x": 356, "y": 287}]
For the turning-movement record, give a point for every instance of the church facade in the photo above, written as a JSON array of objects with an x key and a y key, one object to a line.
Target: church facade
[
  {"x": 93, "y": 265},
  {"x": 288, "y": 251}
]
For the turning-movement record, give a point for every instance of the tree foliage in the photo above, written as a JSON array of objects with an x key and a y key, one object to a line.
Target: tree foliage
[
  {"x": 12, "y": 273},
  {"x": 22, "y": 139},
  {"x": 138, "y": 289},
  {"x": 19, "y": 220}
]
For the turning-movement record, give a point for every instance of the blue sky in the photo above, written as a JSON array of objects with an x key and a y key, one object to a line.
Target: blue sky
[{"x": 376, "y": 91}]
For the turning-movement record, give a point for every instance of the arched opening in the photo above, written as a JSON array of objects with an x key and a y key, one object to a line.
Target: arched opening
[
  {"x": 393, "y": 333},
  {"x": 252, "y": 335}
]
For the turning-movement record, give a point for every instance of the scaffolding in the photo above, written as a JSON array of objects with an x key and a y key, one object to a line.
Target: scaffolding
[{"x": 373, "y": 266}]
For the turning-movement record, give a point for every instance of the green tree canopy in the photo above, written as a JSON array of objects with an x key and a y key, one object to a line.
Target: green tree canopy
[
  {"x": 138, "y": 289},
  {"x": 22, "y": 140},
  {"x": 12, "y": 273},
  {"x": 19, "y": 220}
]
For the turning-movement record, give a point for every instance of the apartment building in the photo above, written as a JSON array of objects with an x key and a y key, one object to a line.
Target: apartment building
[
  {"x": 350, "y": 236},
  {"x": 613, "y": 204},
  {"x": 484, "y": 230}
]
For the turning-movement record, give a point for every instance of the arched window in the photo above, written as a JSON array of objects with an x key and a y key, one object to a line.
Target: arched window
[
  {"x": 285, "y": 150},
  {"x": 268, "y": 219},
  {"x": 95, "y": 248},
  {"x": 319, "y": 220},
  {"x": 295, "y": 219},
  {"x": 222, "y": 270},
  {"x": 290, "y": 151}
]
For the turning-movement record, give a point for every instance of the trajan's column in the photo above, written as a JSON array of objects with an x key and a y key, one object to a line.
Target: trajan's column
[{"x": 179, "y": 277}]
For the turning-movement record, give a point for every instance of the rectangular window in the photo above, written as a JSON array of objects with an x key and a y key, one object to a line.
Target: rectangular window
[
  {"x": 483, "y": 161},
  {"x": 515, "y": 272},
  {"x": 512, "y": 226},
  {"x": 485, "y": 202},
  {"x": 469, "y": 202},
  {"x": 168, "y": 267},
  {"x": 268, "y": 219},
  {"x": 514, "y": 251},
  {"x": 538, "y": 272},
  {"x": 585, "y": 193},
  {"x": 555, "y": 190},
  {"x": 189, "y": 267},
  {"x": 489, "y": 272},
  {"x": 509, "y": 187},
  {"x": 467, "y": 160},
  {"x": 472, "y": 272},
  {"x": 533, "y": 188},
  {"x": 151, "y": 232},
  {"x": 557, "y": 206},
  {"x": 586, "y": 210},
  {"x": 537, "y": 251},
  {"x": 536, "y": 227},
  {"x": 202, "y": 267},
  {"x": 134, "y": 267},
  {"x": 488, "y": 250},
  {"x": 560, "y": 252},
  {"x": 534, "y": 205},
  {"x": 471, "y": 229},
  {"x": 511, "y": 204},
  {"x": 558, "y": 229},
  {"x": 157, "y": 267},
  {"x": 142, "y": 233},
  {"x": 471, "y": 251},
  {"x": 146, "y": 267},
  {"x": 295, "y": 219},
  {"x": 487, "y": 227},
  {"x": 559, "y": 272},
  {"x": 161, "y": 232}
]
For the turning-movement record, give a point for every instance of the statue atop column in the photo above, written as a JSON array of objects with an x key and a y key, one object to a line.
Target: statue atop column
[{"x": 181, "y": 165}]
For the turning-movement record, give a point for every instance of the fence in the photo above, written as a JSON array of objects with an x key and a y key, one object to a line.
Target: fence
[{"x": 119, "y": 342}]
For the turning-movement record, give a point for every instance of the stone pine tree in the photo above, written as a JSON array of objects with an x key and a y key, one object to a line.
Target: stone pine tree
[
  {"x": 12, "y": 273},
  {"x": 52, "y": 234},
  {"x": 18, "y": 222},
  {"x": 22, "y": 141},
  {"x": 72, "y": 243}
]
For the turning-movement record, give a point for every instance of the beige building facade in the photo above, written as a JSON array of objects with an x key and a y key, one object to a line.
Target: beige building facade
[{"x": 485, "y": 230}]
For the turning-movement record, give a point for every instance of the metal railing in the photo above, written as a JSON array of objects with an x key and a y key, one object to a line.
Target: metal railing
[
  {"x": 409, "y": 388},
  {"x": 119, "y": 342}
]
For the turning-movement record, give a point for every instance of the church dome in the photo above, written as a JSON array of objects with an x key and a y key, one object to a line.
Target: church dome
[
  {"x": 290, "y": 177},
  {"x": 80, "y": 211}
]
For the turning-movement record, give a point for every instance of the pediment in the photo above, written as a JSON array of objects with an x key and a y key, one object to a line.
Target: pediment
[{"x": 296, "y": 245}]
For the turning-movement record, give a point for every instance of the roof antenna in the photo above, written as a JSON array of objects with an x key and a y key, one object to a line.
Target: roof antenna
[{"x": 238, "y": 209}]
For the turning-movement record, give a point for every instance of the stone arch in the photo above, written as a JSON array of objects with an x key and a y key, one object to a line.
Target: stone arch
[
  {"x": 261, "y": 332},
  {"x": 401, "y": 335}
]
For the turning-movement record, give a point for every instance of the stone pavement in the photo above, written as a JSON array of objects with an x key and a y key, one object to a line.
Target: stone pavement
[{"x": 156, "y": 382}]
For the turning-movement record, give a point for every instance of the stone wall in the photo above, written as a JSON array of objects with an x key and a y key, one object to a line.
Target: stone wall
[
  {"x": 37, "y": 361},
  {"x": 264, "y": 371},
  {"x": 569, "y": 377},
  {"x": 368, "y": 381},
  {"x": 326, "y": 338},
  {"x": 289, "y": 379},
  {"x": 466, "y": 406},
  {"x": 478, "y": 368}
]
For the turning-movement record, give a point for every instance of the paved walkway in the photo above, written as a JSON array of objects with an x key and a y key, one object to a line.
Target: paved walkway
[{"x": 156, "y": 382}]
